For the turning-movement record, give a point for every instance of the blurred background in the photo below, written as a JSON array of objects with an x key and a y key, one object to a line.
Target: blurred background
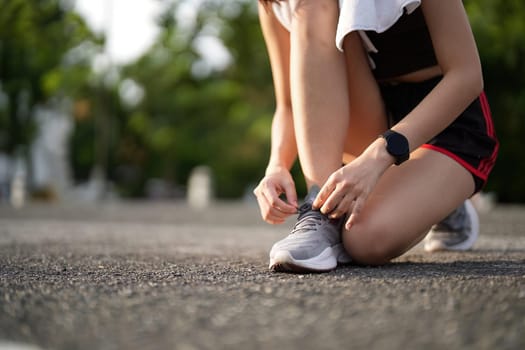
[{"x": 173, "y": 99}]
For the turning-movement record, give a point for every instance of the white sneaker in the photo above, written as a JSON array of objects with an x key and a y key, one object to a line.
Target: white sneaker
[
  {"x": 314, "y": 245},
  {"x": 458, "y": 231}
]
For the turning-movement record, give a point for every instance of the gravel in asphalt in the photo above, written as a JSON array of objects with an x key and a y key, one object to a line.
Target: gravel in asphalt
[{"x": 161, "y": 276}]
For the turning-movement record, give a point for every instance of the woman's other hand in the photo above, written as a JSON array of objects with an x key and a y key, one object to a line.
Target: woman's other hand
[
  {"x": 276, "y": 182},
  {"x": 346, "y": 190}
]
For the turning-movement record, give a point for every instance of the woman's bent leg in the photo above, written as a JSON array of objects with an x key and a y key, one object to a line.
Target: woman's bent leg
[
  {"x": 319, "y": 89},
  {"x": 406, "y": 202},
  {"x": 368, "y": 117}
]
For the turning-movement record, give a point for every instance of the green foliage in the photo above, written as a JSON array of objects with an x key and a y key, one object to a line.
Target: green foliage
[
  {"x": 499, "y": 27},
  {"x": 192, "y": 113},
  {"x": 195, "y": 115},
  {"x": 223, "y": 119},
  {"x": 38, "y": 60}
]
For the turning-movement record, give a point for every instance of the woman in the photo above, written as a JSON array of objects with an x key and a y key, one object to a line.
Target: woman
[{"x": 419, "y": 87}]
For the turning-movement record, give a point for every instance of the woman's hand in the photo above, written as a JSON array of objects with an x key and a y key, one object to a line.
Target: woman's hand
[
  {"x": 276, "y": 182},
  {"x": 346, "y": 190}
]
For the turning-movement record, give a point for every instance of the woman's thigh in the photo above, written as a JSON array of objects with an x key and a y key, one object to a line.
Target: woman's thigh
[
  {"x": 367, "y": 113},
  {"x": 406, "y": 202}
]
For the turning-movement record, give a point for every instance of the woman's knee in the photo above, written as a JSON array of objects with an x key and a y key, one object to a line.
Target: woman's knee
[
  {"x": 315, "y": 17},
  {"x": 367, "y": 243},
  {"x": 309, "y": 8}
]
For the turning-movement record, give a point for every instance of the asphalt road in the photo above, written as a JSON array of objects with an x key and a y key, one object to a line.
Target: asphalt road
[{"x": 161, "y": 276}]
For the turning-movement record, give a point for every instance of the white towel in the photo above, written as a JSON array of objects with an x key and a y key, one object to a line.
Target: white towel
[
  {"x": 376, "y": 15},
  {"x": 283, "y": 12}
]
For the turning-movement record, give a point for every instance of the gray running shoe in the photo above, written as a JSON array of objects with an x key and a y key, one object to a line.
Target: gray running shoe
[
  {"x": 314, "y": 245},
  {"x": 458, "y": 231}
]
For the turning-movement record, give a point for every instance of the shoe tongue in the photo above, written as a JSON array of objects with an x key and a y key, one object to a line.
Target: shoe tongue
[
  {"x": 312, "y": 194},
  {"x": 308, "y": 201}
]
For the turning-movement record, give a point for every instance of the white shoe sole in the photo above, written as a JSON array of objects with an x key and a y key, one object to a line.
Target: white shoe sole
[
  {"x": 284, "y": 262},
  {"x": 435, "y": 245}
]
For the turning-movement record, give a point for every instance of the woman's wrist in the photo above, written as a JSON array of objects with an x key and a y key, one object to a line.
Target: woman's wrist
[
  {"x": 275, "y": 168},
  {"x": 378, "y": 152}
]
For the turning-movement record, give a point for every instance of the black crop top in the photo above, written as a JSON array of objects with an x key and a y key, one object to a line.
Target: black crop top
[{"x": 404, "y": 48}]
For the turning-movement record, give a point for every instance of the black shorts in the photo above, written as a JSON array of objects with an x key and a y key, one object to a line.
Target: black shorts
[{"x": 470, "y": 139}]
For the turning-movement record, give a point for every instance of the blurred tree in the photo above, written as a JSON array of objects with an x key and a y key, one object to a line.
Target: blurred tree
[
  {"x": 203, "y": 93},
  {"x": 45, "y": 52},
  {"x": 195, "y": 113},
  {"x": 499, "y": 26},
  {"x": 192, "y": 114}
]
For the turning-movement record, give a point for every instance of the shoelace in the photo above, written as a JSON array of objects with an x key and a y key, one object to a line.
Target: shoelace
[{"x": 308, "y": 219}]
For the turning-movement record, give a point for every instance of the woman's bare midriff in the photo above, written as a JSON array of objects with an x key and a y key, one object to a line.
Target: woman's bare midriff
[{"x": 417, "y": 76}]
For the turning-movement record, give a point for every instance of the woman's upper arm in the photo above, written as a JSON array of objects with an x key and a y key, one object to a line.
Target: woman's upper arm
[
  {"x": 277, "y": 41},
  {"x": 452, "y": 38}
]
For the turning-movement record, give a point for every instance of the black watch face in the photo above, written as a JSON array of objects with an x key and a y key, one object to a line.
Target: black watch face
[{"x": 397, "y": 145}]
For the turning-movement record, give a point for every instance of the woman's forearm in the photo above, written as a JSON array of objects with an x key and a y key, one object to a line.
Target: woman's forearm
[
  {"x": 458, "y": 59},
  {"x": 277, "y": 38},
  {"x": 440, "y": 108},
  {"x": 283, "y": 146}
]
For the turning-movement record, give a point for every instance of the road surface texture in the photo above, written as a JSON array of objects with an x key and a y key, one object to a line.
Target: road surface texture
[{"x": 162, "y": 276}]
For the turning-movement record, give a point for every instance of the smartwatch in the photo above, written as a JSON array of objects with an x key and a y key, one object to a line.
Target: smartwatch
[{"x": 396, "y": 146}]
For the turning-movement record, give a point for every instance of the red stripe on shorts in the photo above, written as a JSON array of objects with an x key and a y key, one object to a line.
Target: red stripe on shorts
[
  {"x": 461, "y": 161},
  {"x": 486, "y": 165}
]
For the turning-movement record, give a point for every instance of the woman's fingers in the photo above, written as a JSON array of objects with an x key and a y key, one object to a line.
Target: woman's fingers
[
  {"x": 274, "y": 209},
  {"x": 335, "y": 196},
  {"x": 272, "y": 196},
  {"x": 355, "y": 212},
  {"x": 323, "y": 195},
  {"x": 335, "y": 202},
  {"x": 269, "y": 213},
  {"x": 340, "y": 197},
  {"x": 277, "y": 207},
  {"x": 343, "y": 208},
  {"x": 291, "y": 195}
]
